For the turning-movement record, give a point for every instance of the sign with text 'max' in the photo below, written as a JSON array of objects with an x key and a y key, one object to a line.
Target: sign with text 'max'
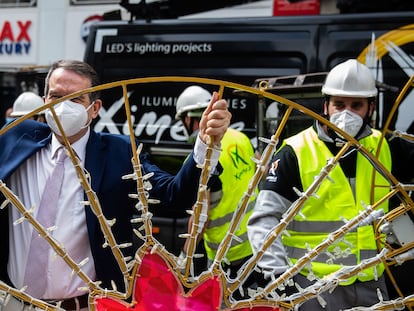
[{"x": 18, "y": 38}]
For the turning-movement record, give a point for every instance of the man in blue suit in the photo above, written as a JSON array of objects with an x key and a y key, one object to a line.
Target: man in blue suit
[{"x": 27, "y": 158}]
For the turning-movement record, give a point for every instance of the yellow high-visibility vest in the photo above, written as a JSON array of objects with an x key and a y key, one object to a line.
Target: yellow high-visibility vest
[
  {"x": 238, "y": 168},
  {"x": 335, "y": 202}
]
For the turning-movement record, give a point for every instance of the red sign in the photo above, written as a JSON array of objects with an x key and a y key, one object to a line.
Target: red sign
[
  {"x": 296, "y": 7},
  {"x": 17, "y": 36}
]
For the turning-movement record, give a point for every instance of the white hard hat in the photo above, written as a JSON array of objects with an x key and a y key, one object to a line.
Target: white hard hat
[
  {"x": 350, "y": 79},
  {"x": 192, "y": 98},
  {"x": 25, "y": 103}
]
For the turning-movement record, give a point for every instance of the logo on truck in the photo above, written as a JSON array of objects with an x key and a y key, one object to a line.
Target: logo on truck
[
  {"x": 152, "y": 117},
  {"x": 143, "y": 48}
]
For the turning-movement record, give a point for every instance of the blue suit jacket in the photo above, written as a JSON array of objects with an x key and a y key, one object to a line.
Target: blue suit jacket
[{"x": 108, "y": 158}]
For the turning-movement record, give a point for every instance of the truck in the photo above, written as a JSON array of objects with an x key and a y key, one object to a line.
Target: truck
[{"x": 242, "y": 51}]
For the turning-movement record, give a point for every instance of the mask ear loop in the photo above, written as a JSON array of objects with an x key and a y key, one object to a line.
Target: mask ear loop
[
  {"x": 89, "y": 120},
  {"x": 365, "y": 120}
]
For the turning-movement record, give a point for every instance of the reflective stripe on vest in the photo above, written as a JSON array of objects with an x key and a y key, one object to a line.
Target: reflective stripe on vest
[
  {"x": 226, "y": 220},
  {"x": 238, "y": 168},
  {"x": 335, "y": 202}
]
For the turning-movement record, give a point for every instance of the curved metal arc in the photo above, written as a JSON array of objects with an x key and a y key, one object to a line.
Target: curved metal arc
[
  {"x": 409, "y": 84},
  {"x": 223, "y": 84}
]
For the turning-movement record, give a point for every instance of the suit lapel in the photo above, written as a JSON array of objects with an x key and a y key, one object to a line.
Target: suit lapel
[{"x": 23, "y": 148}]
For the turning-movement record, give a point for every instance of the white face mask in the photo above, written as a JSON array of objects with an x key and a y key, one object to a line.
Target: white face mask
[
  {"x": 73, "y": 117},
  {"x": 347, "y": 121}
]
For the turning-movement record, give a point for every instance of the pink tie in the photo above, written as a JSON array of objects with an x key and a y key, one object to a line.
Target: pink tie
[{"x": 36, "y": 270}]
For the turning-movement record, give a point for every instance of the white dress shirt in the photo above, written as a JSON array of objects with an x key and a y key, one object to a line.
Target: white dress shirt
[{"x": 28, "y": 182}]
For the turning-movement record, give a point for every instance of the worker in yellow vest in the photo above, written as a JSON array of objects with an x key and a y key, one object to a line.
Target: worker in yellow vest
[
  {"x": 236, "y": 160},
  {"x": 350, "y": 93}
]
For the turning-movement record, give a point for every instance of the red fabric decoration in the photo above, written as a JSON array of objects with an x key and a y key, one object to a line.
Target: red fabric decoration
[{"x": 157, "y": 288}]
